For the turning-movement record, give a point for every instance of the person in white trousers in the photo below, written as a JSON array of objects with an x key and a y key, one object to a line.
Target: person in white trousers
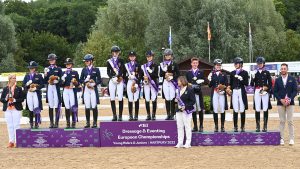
[
  {"x": 33, "y": 82},
  {"x": 116, "y": 73},
  {"x": 133, "y": 85},
  {"x": 12, "y": 98},
  {"x": 169, "y": 71},
  {"x": 186, "y": 100},
  {"x": 285, "y": 90},
  {"x": 218, "y": 82}
]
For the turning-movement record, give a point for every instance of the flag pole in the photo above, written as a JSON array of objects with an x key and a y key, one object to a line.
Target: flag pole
[
  {"x": 250, "y": 45},
  {"x": 208, "y": 38},
  {"x": 170, "y": 37}
]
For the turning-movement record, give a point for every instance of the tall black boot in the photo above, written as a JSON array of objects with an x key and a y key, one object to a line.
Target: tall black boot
[
  {"x": 87, "y": 117},
  {"x": 130, "y": 104},
  {"x": 216, "y": 121},
  {"x": 51, "y": 117},
  {"x": 114, "y": 111},
  {"x": 95, "y": 117},
  {"x": 57, "y": 114},
  {"x": 235, "y": 121},
  {"x": 154, "y": 106},
  {"x": 222, "y": 122},
  {"x": 68, "y": 114},
  {"x": 266, "y": 115},
  {"x": 120, "y": 110},
  {"x": 194, "y": 115},
  {"x": 168, "y": 108},
  {"x": 31, "y": 119},
  {"x": 73, "y": 120},
  {"x": 136, "y": 112},
  {"x": 36, "y": 124},
  {"x": 257, "y": 119},
  {"x": 201, "y": 117},
  {"x": 172, "y": 109},
  {"x": 148, "y": 110},
  {"x": 243, "y": 119}
]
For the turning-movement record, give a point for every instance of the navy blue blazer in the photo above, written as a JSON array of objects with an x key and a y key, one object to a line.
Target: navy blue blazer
[
  {"x": 36, "y": 79},
  {"x": 188, "y": 98},
  {"x": 55, "y": 71},
  {"x": 280, "y": 91},
  {"x": 95, "y": 75}
]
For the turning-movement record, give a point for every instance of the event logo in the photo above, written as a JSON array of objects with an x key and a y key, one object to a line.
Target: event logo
[
  {"x": 40, "y": 142},
  {"x": 233, "y": 140},
  {"x": 74, "y": 142},
  {"x": 259, "y": 139},
  {"x": 107, "y": 135},
  {"x": 208, "y": 141}
]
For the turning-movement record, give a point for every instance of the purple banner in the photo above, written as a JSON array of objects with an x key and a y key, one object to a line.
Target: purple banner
[
  {"x": 232, "y": 139},
  {"x": 138, "y": 133},
  {"x": 45, "y": 138}
]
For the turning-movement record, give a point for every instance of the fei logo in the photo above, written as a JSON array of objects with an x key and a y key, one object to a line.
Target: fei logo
[{"x": 143, "y": 125}]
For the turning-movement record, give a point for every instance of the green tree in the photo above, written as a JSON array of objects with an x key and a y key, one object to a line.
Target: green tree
[
  {"x": 8, "y": 43},
  {"x": 8, "y": 64},
  {"x": 36, "y": 46}
]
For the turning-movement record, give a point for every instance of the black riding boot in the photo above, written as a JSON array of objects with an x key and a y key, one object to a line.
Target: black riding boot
[
  {"x": 148, "y": 110},
  {"x": 136, "y": 110},
  {"x": 51, "y": 117},
  {"x": 73, "y": 120},
  {"x": 257, "y": 119},
  {"x": 154, "y": 106},
  {"x": 130, "y": 104},
  {"x": 36, "y": 124},
  {"x": 87, "y": 116},
  {"x": 243, "y": 119},
  {"x": 201, "y": 117},
  {"x": 222, "y": 122},
  {"x": 31, "y": 119},
  {"x": 95, "y": 117},
  {"x": 68, "y": 114},
  {"x": 168, "y": 108},
  {"x": 114, "y": 111},
  {"x": 120, "y": 110},
  {"x": 195, "y": 129},
  {"x": 172, "y": 109},
  {"x": 216, "y": 121},
  {"x": 57, "y": 115},
  {"x": 235, "y": 121},
  {"x": 266, "y": 114}
]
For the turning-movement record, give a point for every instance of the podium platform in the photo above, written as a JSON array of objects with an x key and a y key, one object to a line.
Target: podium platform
[
  {"x": 46, "y": 138},
  {"x": 236, "y": 138},
  {"x": 137, "y": 134}
]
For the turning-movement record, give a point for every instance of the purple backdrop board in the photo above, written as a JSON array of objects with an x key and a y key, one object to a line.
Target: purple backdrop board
[
  {"x": 138, "y": 133},
  {"x": 235, "y": 139},
  {"x": 44, "y": 138}
]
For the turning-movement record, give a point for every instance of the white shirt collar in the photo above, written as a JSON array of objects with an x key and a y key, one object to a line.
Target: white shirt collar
[{"x": 182, "y": 90}]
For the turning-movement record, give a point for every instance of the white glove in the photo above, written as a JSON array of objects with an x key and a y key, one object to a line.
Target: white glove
[
  {"x": 29, "y": 83},
  {"x": 199, "y": 81},
  {"x": 14, "y": 100},
  {"x": 131, "y": 77},
  {"x": 170, "y": 77},
  {"x": 46, "y": 70},
  {"x": 182, "y": 107},
  {"x": 209, "y": 77},
  {"x": 92, "y": 84},
  {"x": 240, "y": 78},
  {"x": 136, "y": 85},
  {"x": 55, "y": 81},
  {"x": 115, "y": 80},
  {"x": 63, "y": 78},
  {"x": 149, "y": 70}
]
